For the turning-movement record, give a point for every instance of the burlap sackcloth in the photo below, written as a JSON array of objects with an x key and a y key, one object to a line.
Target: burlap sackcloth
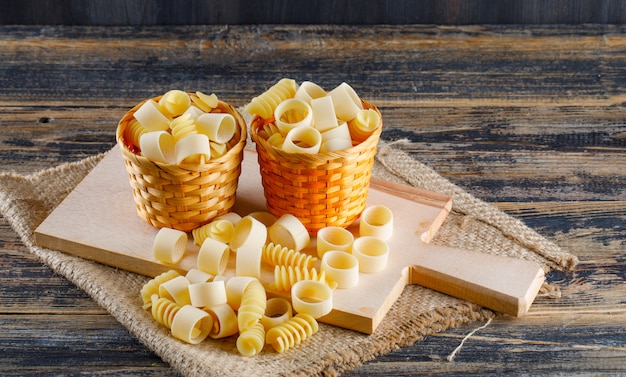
[{"x": 25, "y": 201}]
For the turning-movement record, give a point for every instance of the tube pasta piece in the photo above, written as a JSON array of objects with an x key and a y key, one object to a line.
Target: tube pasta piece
[
  {"x": 208, "y": 294},
  {"x": 333, "y": 145},
  {"x": 340, "y": 132},
  {"x": 377, "y": 221},
  {"x": 235, "y": 287},
  {"x": 249, "y": 232},
  {"x": 206, "y": 102},
  {"x": 176, "y": 289},
  {"x": 302, "y": 140},
  {"x": 347, "y": 102},
  {"x": 312, "y": 297},
  {"x": 158, "y": 146},
  {"x": 248, "y": 261},
  {"x": 324, "y": 118},
  {"x": 253, "y": 304},
  {"x": 277, "y": 311},
  {"x": 183, "y": 126},
  {"x": 194, "y": 149},
  {"x": 334, "y": 238},
  {"x": 152, "y": 286},
  {"x": 265, "y": 104},
  {"x": 277, "y": 255},
  {"x": 291, "y": 333},
  {"x": 224, "y": 321},
  {"x": 163, "y": 310},
  {"x": 293, "y": 113},
  {"x": 371, "y": 252},
  {"x": 191, "y": 324},
  {"x": 285, "y": 277},
  {"x": 289, "y": 232},
  {"x": 251, "y": 341},
  {"x": 195, "y": 276},
  {"x": 150, "y": 116},
  {"x": 364, "y": 124},
  {"x": 220, "y": 229},
  {"x": 309, "y": 91},
  {"x": 341, "y": 267},
  {"x": 174, "y": 102},
  {"x": 213, "y": 256},
  {"x": 169, "y": 245},
  {"x": 219, "y": 127}
]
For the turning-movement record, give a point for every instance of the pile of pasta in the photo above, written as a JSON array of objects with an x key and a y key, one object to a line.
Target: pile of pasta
[
  {"x": 181, "y": 128},
  {"x": 308, "y": 119},
  {"x": 207, "y": 303}
]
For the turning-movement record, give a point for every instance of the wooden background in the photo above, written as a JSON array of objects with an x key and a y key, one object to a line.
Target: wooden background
[{"x": 196, "y": 12}]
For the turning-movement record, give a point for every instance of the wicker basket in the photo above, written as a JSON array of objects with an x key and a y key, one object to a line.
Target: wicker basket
[
  {"x": 325, "y": 189},
  {"x": 187, "y": 196}
]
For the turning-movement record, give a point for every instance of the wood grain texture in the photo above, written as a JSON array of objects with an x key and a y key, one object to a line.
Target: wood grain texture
[{"x": 528, "y": 118}]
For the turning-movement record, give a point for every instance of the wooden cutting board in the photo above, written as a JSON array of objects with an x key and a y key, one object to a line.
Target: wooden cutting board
[{"x": 97, "y": 221}]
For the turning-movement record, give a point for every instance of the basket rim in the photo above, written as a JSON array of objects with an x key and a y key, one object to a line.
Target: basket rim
[
  {"x": 369, "y": 142},
  {"x": 236, "y": 149}
]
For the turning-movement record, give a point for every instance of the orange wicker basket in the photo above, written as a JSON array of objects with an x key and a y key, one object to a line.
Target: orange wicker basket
[
  {"x": 183, "y": 197},
  {"x": 325, "y": 189}
]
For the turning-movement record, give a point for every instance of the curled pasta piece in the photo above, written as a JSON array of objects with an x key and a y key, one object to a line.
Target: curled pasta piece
[
  {"x": 377, "y": 221},
  {"x": 213, "y": 256},
  {"x": 183, "y": 126},
  {"x": 303, "y": 140},
  {"x": 309, "y": 91},
  {"x": 150, "y": 116},
  {"x": 195, "y": 276},
  {"x": 193, "y": 112},
  {"x": 293, "y": 113},
  {"x": 206, "y": 102},
  {"x": 224, "y": 321},
  {"x": 169, "y": 245},
  {"x": 324, "y": 118},
  {"x": 265, "y": 217},
  {"x": 176, "y": 289},
  {"x": 341, "y": 267},
  {"x": 158, "y": 146},
  {"x": 191, "y": 324},
  {"x": 334, "y": 238},
  {"x": 207, "y": 294},
  {"x": 347, "y": 102},
  {"x": 253, "y": 304},
  {"x": 174, "y": 102},
  {"x": 286, "y": 276},
  {"x": 291, "y": 333},
  {"x": 248, "y": 261},
  {"x": 312, "y": 297},
  {"x": 289, "y": 231},
  {"x": 251, "y": 341},
  {"x": 371, "y": 252},
  {"x": 265, "y": 104},
  {"x": 163, "y": 310},
  {"x": 365, "y": 122},
  {"x": 277, "y": 255},
  {"x": 220, "y": 229},
  {"x": 192, "y": 149},
  {"x": 277, "y": 311},
  {"x": 235, "y": 286},
  {"x": 152, "y": 286},
  {"x": 249, "y": 232},
  {"x": 219, "y": 127},
  {"x": 233, "y": 217}
]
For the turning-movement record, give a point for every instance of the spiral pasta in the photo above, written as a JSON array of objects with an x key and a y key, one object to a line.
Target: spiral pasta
[
  {"x": 265, "y": 104},
  {"x": 251, "y": 341},
  {"x": 164, "y": 310},
  {"x": 219, "y": 230},
  {"x": 183, "y": 126},
  {"x": 286, "y": 276},
  {"x": 253, "y": 304},
  {"x": 152, "y": 286},
  {"x": 291, "y": 333},
  {"x": 277, "y": 255},
  {"x": 134, "y": 131}
]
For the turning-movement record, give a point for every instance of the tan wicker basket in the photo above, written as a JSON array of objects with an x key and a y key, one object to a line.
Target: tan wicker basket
[
  {"x": 325, "y": 189},
  {"x": 187, "y": 196}
]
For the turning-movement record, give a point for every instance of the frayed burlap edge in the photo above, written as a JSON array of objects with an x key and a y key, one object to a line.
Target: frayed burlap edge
[{"x": 25, "y": 201}]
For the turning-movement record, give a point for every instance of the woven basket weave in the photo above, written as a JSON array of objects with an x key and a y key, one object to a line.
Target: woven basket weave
[
  {"x": 183, "y": 197},
  {"x": 324, "y": 189}
]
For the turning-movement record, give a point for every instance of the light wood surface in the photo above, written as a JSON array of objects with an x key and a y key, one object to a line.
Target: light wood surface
[
  {"x": 529, "y": 118},
  {"x": 98, "y": 221}
]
